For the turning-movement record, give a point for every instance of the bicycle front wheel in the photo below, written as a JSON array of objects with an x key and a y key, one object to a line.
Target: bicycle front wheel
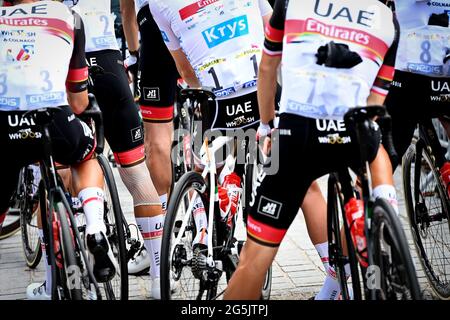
[
  {"x": 70, "y": 272},
  {"x": 393, "y": 276},
  {"x": 428, "y": 211}
]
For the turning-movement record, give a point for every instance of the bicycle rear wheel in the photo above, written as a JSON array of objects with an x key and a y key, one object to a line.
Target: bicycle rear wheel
[
  {"x": 29, "y": 208},
  {"x": 180, "y": 263},
  {"x": 395, "y": 276},
  {"x": 117, "y": 288},
  {"x": 428, "y": 210}
]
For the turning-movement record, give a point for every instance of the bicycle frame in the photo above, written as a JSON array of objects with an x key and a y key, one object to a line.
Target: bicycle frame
[{"x": 208, "y": 160}]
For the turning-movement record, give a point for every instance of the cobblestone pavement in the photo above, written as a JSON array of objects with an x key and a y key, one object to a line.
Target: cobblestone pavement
[{"x": 297, "y": 272}]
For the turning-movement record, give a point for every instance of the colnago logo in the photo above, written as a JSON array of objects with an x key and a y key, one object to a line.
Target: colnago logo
[
  {"x": 438, "y": 4},
  {"x": 226, "y": 31},
  {"x": 194, "y": 8}
]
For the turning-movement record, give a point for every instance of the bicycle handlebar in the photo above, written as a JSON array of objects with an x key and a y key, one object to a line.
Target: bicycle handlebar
[
  {"x": 358, "y": 116},
  {"x": 204, "y": 92}
]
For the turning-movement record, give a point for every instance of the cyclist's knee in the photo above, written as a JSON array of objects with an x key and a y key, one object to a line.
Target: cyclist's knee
[{"x": 139, "y": 183}]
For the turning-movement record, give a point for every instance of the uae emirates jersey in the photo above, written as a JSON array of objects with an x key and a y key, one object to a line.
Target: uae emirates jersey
[
  {"x": 298, "y": 28},
  {"x": 36, "y": 47},
  {"x": 222, "y": 39}
]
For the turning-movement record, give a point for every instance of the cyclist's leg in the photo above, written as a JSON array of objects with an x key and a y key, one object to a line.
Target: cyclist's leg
[
  {"x": 19, "y": 150},
  {"x": 124, "y": 133},
  {"x": 73, "y": 144},
  {"x": 157, "y": 79},
  {"x": 273, "y": 209},
  {"x": 314, "y": 208}
]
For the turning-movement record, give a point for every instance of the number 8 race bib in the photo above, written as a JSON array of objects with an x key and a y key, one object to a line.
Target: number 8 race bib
[{"x": 425, "y": 50}]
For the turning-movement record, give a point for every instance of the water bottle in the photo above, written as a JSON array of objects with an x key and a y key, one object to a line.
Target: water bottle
[
  {"x": 354, "y": 212},
  {"x": 232, "y": 181}
]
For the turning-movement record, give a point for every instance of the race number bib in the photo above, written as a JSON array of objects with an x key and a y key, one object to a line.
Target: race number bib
[
  {"x": 426, "y": 49},
  {"x": 100, "y": 34},
  {"x": 329, "y": 95},
  {"x": 229, "y": 74},
  {"x": 35, "y": 90}
]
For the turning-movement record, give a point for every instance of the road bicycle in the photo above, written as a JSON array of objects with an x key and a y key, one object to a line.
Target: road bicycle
[
  {"x": 64, "y": 224},
  {"x": 427, "y": 204},
  {"x": 388, "y": 273},
  {"x": 201, "y": 273}
]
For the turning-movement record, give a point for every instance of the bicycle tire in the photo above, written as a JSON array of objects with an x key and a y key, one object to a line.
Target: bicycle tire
[
  {"x": 10, "y": 229},
  {"x": 189, "y": 180},
  {"x": 70, "y": 266},
  {"x": 386, "y": 227},
  {"x": 32, "y": 253},
  {"x": 442, "y": 290},
  {"x": 118, "y": 230}
]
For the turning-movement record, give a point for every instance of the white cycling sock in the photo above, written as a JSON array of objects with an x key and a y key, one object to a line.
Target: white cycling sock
[
  {"x": 163, "y": 199},
  {"x": 47, "y": 266},
  {"x": 92, "y": 200},
  {"x": 201, "y": 222},
  {"x": 330, "y": 289},
  {"x": 387, "y": 192},
  {"x": 152, "y": 229}
]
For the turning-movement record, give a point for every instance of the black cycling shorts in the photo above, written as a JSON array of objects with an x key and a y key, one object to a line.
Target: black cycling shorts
[
  {"x": 304, "y": 150},
  {"x": 157, "y": 75},
  {"x": 123, "y": 125},
  {"x": 411, "y": 98},
  {"x": 20, "y": 139}
]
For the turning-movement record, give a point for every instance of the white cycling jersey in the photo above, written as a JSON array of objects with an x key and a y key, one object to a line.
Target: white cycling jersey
[
  {"x": 36, "y": 45},
  {"x": 423, "y": 47},
  {"x": 311, "y": 90},
  {"x": 222, "y": 39},
  {"x": 98, "y": 23}
]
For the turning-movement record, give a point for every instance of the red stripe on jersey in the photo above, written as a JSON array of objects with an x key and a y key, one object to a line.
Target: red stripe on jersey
[
  {"x": 130, "y": 157},
  {"x": 48, "y": 24},
  {"x": 386, "y": 72},
  {"x": 274, "y": 35},
  {"x": 264, "y": 232},
  {"x": 193, "y": 8},
  {"x": 297, "y": 28},
  {"x": 77, "y": 75}
]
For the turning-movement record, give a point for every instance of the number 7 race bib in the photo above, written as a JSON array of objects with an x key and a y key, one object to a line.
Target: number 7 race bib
[{"x": 317, "y": 94}]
